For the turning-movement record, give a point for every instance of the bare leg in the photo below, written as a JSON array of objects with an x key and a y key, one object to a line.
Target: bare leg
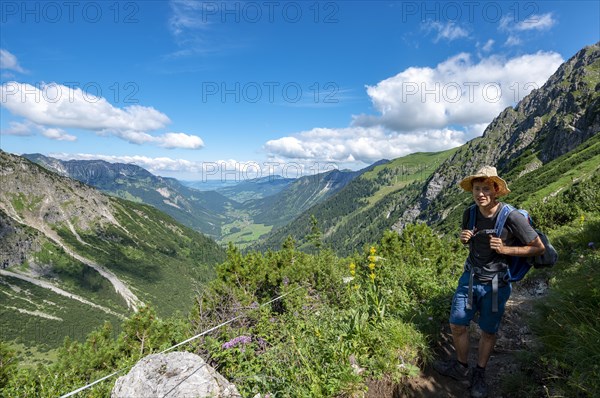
[
  {"x": 486, "y": 346},
  {"x": 460, "y": 335}
]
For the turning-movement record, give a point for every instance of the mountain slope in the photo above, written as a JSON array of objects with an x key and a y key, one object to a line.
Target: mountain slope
[
  {"x": 72, "y": 257},
  {"x": 256, "y": 188},
  {"x": 305, "y": 192},
  {"x": 550, "y": 122},
  {"x": 203, "y": 211},
  {"x": 360, "y": 212}
]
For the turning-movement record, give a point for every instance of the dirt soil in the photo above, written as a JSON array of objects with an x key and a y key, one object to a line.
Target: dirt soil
[{"x": 514, "y": 336}]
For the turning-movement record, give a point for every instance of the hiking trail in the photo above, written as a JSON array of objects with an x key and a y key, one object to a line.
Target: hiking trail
[{"x": 514, "y": 337}]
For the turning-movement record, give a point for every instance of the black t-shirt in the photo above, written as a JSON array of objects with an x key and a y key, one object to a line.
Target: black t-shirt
[{"x": 516, "y": 232}]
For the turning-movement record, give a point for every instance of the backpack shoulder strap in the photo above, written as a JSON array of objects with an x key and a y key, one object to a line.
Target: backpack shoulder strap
[
  {"x": 472, "y": 216},
  {"x": 501, "y": 220}
]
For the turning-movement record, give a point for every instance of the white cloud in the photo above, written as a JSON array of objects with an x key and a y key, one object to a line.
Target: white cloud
[
  {"x": 9, "y": 61},
  {"x": 537, "y": 22},
  {"x": 487, "y": 47},
  {"x": 28, "y": 128},
  {"x": 58, "y": 106},
  {"x": 448, "y": 31},
  {"x": 154, "y": 165},
  {"x": 361, "y": 144},
  {"x": 57, "y": 134},
  {"x": 512, "y": 41},
  {"x": 424, "y": 109},
  {"x": 181, "y": 140},
  {"x": 18, "y": 128},
  {"x": 456, "y": 92},
  {"x": 185, "y": 15}
]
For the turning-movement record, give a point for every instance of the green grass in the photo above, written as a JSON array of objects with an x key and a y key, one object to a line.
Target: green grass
[
  {"x": 31, "y": 356},
  {"x": 566, "y": 322},
  {"x": 248, "y": 233}
]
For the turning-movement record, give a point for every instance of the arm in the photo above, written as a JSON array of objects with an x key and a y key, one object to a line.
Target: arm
[{"x": 532, "y": 249}]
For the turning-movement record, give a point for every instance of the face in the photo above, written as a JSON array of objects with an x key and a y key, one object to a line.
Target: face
[{"x": 484, "y": 193}]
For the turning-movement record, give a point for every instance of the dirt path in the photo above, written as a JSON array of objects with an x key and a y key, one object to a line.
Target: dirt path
[{"x": 514, "y": 336}]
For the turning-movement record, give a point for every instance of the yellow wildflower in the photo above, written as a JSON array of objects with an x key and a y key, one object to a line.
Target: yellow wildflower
[
  {"x": 372, "y": 276},
  {"x": 582, "y": 219},
  {"x": 372, "y": 250},
  {"x": 371, "y": 266},
  {"x": 352, "y": 272},
  {"x": 352, "y": 266}
]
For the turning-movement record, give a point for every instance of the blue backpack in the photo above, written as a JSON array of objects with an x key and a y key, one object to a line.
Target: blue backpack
[{"x": 519, "y": 266}]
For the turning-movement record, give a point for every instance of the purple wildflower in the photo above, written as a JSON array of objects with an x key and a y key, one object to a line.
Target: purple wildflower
[{"x": 240, "y": 340}]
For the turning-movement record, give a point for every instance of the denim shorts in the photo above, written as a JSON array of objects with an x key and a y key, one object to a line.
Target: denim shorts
[{"x": 482, "y": 302}]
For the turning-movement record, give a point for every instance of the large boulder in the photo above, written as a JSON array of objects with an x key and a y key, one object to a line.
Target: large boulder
[{"x": 176, "y": 375}]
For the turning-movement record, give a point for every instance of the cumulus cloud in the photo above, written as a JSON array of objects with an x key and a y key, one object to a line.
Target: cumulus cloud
[
  {"x": 9, "y": 61},
  {"x": 57, "y": 106},
  {"x": 424, "y": 109},
  {"x": 18, "y": 128},
  {"x": 457, "y": 91},
  {"x": 361, "y": 144},
  {"x": 28, "y": 128},
  {"x": 56, "y": 134}
]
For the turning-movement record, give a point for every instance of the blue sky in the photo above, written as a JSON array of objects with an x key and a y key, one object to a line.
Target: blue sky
[{"x": 230, "y": 90}]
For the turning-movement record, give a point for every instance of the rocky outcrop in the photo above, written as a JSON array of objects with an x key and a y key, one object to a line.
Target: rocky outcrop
[
  {"x": 16, "y": 243},
  {"x": 173, "y": 375}
]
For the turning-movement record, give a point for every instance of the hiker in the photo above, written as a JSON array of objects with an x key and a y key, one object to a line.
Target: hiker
[{"x": 483, "y": 287}]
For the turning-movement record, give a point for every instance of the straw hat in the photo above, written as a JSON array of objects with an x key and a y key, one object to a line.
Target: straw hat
[{"x": 487, "y": 172}]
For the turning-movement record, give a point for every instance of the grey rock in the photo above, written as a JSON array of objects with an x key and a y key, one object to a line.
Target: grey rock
[{"x": 173, "y": 375}]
